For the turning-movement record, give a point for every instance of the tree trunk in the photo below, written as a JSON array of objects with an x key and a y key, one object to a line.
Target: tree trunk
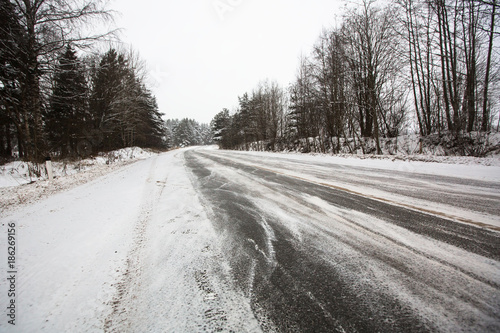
[{"x": 486, "y": 115}]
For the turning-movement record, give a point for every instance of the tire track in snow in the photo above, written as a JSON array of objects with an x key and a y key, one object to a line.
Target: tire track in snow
[
  {"x": 177, "y": 281},
  {"x": 117, "y": 320}
]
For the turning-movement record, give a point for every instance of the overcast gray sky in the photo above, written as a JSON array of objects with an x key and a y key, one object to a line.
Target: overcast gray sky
[{"x": 203, "y": 54}]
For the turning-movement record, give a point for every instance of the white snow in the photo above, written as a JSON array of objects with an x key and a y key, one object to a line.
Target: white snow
[
  {"x": 71, "y": 248},
  {"x": 19, "y": 173},
  {"x": 21, "y": 188},
  {"x": 129, "y": 246},
  {"x": 82, "y": 253},
  {"x": 440, "y": 148}
]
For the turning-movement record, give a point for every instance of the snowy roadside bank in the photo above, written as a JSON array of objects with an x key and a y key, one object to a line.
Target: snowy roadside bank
[
  {"x": 18, "y": 172},
  {"x": 441, "y": 148},
  {"x": 17, "y": 187}
]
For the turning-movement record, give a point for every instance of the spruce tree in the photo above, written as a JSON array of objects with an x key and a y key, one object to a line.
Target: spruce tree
[
  {"x": 67, "y": 116},
  {"x": 107, "y": 83},
  {"x": 123, "y": 108}
]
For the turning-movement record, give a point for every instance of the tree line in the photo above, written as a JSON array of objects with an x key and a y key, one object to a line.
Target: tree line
[
  {"x": 187, "y": 132},
  {"x": 429, "y": 66},
  {"x": 54, "y": 102}
]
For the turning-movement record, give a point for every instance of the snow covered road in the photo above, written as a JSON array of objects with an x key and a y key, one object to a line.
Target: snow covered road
[
  {"x": 132, "y": 251},
  {"x": 205, "y": 240},
  {"x": 316, "y": 252}
]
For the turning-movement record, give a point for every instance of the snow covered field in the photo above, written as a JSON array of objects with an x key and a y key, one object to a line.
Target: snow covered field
[{"x": 133, "y": 247}]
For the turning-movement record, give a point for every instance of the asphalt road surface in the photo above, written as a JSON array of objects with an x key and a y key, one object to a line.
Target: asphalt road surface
[{"x": 319, "y": 247}]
